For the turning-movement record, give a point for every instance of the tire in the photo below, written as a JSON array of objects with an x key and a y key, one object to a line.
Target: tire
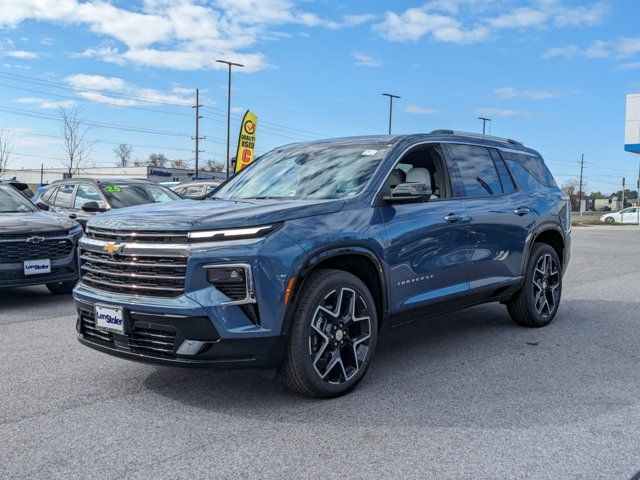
[
  {"x": 335, "y": 318},
  {"x": 609, "y": 220},
  {"x": 61, "y": 288},
  {"x": 535, "y": 305}
]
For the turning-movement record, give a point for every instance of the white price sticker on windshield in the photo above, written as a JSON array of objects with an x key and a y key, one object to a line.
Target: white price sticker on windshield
[{"x": 369, "y": 153}]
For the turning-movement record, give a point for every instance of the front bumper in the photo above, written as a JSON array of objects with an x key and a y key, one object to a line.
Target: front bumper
[
  {"x": 12, "y": 274},
  {"x": 180, "y": 333}
]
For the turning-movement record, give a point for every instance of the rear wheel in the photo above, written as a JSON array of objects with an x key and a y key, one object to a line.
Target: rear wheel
[
  {"x": 333, "y": 336},
  {"x": 537, "y": 302},
  {"x": 61, "y": 288}
]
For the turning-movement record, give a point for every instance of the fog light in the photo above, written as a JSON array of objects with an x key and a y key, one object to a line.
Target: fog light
[{"x": 234, "y": 281}]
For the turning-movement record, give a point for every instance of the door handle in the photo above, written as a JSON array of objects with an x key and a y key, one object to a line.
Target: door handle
[
  {"x": 522, "y": 211},
  {"x": 455, "y": 218}
]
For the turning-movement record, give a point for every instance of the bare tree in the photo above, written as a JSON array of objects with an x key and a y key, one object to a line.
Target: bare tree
[
  {"x": 76, "y": 145},
  {"x": 123, "y": 153},
  {"x": 157, "y": 160},
  {"x": 213, "y": 166},
  {"x": 5, "y": 150},
  {"x": 179, "y": 163}
]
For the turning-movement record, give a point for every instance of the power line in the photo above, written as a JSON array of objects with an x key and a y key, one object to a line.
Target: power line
[{"x": 113, "y": 126}]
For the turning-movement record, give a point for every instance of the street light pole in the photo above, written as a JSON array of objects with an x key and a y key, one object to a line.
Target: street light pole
[
  {"x": 484, "y": 124},
  {"x": 391, "y": 97},
  {"x": 229, "y": 64}
]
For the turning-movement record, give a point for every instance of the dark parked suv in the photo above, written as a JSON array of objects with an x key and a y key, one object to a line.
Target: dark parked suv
[
  {"x": 302, "y": 259},
  {"x": 36, "y": 247},
  {"x": 83, "y": 198}
]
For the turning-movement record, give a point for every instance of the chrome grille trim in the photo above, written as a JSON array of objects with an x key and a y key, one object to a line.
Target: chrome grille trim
[{"x": 132, "y": 274}]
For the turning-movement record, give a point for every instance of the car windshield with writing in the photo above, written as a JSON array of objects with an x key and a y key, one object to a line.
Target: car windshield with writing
[
  {"x": 13, "y": 202},
  {"x": 128, "y": 195},
  {"x": 307, "y": 172}
]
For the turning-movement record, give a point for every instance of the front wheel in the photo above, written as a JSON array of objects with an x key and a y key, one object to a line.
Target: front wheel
[
  {"x": 333, "y": 335},
  {"x": 609, "y": 220},
  {"x": 536, "y": 303},
  {"x": 61, "y": 288}
]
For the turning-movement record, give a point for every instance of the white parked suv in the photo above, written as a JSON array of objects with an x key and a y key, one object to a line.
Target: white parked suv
[{"x": 628, "y": 215}]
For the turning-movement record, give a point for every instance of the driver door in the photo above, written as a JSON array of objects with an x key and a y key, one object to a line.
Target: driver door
[{"x": 427, "y": 249}]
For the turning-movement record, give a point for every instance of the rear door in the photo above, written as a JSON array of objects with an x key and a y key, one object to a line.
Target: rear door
[{"x": 501, "y": 217}]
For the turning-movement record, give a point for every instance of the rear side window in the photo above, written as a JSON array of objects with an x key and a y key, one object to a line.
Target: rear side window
[
  {"x": 505, "y": 179},
  {"x": 479, "y": 175},
  {"x": 533, "y": 165},
  {"x": 64, "y": 198},
  {"x": 49, "y": 195}
]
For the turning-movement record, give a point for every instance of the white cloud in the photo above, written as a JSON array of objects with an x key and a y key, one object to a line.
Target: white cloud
[
  {"x": 176, "y": 34},
  {"x": 510, "y": 92},
  {"x": 472, "y": 21},
  {"x": 630, "y": 66},
  {"x": 115, "y": 91},
  {"x": 48, "y": 104},
  {"x": 498, "y": 112},
  {"x": 619, "y": 48},
  {"x": 21, "y": 54},
  {"x": 415, "y": 23},
  {"x": 417, "y": 110},
  {"x": 364, "y": 60}
]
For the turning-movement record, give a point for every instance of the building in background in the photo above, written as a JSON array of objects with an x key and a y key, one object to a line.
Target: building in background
[{"x": 36, "y": 177}]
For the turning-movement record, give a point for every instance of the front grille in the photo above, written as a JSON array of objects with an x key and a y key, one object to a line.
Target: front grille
[
  {"x": 12, "y": 236},
  {"x": 146, "y": 341},
  {"x": 15, "y": 252},
  {"x": 134, "y": 275},
  {"x": 136, "y": 237}
]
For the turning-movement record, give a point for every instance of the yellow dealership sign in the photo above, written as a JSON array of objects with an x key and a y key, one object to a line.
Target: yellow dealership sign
[{"x": 246, "y": 141}]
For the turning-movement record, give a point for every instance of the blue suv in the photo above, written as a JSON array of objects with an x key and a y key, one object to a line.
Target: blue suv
[{"x": 301, "y": 260}]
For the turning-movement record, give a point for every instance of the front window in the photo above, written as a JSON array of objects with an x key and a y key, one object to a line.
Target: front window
[
  {"x": 13, "y": 202},
  {"x": 128, "y": 195},
  {"x": 307, "y": 172}
]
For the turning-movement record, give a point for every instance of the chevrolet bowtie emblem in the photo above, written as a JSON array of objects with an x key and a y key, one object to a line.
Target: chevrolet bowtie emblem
[{"x": 112, "y": 248}]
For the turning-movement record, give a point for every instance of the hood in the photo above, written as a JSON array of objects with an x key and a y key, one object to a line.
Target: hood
[
  {"x": 204, "y": 214},
  {"x": 34, "y": 222}
]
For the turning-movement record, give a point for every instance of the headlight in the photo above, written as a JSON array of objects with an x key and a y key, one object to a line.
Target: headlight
[{"x": 234, "y": 233}]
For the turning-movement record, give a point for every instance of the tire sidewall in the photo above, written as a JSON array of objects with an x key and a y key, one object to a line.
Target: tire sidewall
[{"x": 304, "y": 314}]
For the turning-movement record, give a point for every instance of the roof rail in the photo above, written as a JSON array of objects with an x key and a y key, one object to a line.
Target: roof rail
[{"x": 476, "y": 135}]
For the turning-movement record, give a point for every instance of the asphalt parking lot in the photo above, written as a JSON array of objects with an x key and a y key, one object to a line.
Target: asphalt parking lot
[{"x": 467, "y": 396}]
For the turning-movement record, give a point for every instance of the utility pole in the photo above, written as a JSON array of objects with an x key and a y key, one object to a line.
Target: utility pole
[
  {"x": 484, "y": 124},
  {"x": 622, "y": 214},
  {"x": 197, "y": 138},
  {"x": 41, "y": 173},
  {"x": 391, "y": 97},
  {"x": 580, "y": 191},
  {"x": 229, "y": 64}
]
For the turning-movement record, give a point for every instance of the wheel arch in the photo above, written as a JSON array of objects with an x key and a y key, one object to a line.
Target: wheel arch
[
  {"x": 357, "y": 260},
  {"x": 552, "y": 235}
]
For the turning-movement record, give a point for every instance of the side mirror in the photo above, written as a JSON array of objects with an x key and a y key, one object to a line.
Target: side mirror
[
  {"x": 92, "y": 207},
  {"x": 42, "y": 206},
  {"x": 410, "y": 193}
]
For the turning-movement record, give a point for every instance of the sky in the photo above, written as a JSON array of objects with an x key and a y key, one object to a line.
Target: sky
[{"x": 550, "y": 73}]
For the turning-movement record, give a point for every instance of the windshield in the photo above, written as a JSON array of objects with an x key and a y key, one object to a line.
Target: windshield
[
  {"x": 308, "y": 172},
  {"x": 13, "y": 202},
  {"x": 128, "y": 195}
]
